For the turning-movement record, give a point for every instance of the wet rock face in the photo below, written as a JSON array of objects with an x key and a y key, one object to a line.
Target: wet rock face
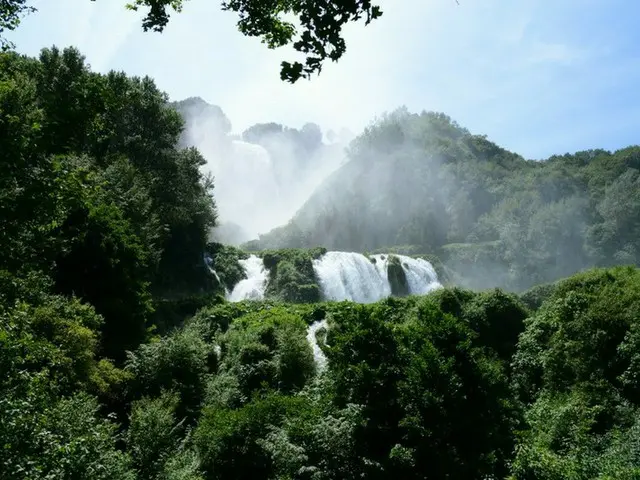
[{"x": 397, "y": 277}]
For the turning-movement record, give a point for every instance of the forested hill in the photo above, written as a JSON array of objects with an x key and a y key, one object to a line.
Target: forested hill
[
  {"x": 422, "y": 182},
  {"x": 118, "y": 361}
]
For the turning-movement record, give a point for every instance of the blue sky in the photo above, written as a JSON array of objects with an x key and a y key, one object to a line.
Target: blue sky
[{"x": 537, "y": 76}]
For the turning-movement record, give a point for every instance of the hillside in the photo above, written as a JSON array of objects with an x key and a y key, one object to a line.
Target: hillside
[
  {"x": 423, "y": 182},
  {"x": 124, "y": 354}
]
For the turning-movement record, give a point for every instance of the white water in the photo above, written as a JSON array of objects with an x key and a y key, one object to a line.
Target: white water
[
  {"x": 215, "y": 274},
  {"x": 252, "y": 287},
  {"x": 421, "y": 277},
  {"x": 352, "y": 276},
  {"x": 318, "y": 355}
]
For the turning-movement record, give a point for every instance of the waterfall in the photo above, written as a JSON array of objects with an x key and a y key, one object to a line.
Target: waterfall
[
  {"x": 318, "y": 354},
  {"x": 381, "y": 262},
  {"x": 208, "y": 261},
  {"x": 421, "y": 276},
  {"x": 215, "y": 274},
  {"x": 252, "y": 287},
  {"x": 217, "y": 277},
  {"x": 352, "y": 276}
]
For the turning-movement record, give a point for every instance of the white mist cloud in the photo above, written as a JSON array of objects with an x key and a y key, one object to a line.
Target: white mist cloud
[{"x": 257, "y": 187}]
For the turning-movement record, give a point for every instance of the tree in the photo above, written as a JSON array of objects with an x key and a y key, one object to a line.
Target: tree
[
  {"x": 10, "y": 13},
  {"x": 318, "y": 36}
]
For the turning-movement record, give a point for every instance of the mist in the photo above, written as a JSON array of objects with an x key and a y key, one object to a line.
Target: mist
[{"x": 263, "y": 175}]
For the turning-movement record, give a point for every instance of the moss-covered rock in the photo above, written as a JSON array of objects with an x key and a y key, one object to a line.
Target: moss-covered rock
[
  {"x": 291, "y": 274},
  {"x": 445, "y": 275},
  {"x": 225, "y": 260},
  {"x": 397, "y": 277}
]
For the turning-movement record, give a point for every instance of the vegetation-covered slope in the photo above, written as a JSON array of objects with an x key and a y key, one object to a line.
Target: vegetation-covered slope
[
  {"x": 494, "y": 218},
  {"x": 94, "y": 193},
  {"x": 105, "y": 373}
]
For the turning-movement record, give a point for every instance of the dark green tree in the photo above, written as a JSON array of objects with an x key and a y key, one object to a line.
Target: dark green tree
[{"x": 318, "y": 37}]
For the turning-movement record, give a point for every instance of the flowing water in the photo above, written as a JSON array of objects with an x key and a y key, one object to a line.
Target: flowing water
[
  {"x": 254, "y": 286},
  {"x": 352, "y": 276},
  {"x": 344, "y": 276},
  {"x": 318, "y": 355}
]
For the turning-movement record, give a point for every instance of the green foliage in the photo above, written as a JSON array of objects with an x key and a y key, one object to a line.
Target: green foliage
[
  {"x": 577, "y": 366},
  {"x": 11, "y": 12},
  {"x": 318, "y": 441},
  {"x": 183, "y": 465},
  {"x": 169, "y": 312},
  {"x": 498, "y": 318},
  {"x": 102, "y": 217},
  {"x": 227, "y": 440},
  {"x": 153, "y": 434},
  {"x": 266, "y": 349},
  {"x": 46, "y": 437},
  {"x": 413, "y": 385},
  {"x": 178, "y": 362},
  {"x": 318, "y": 38},
  {"x": 412, "y": 366},
  {"x": 91, "y": 175},
  {"x": 291, "y": 274},
  {"x": 320, "y": 23},
  {"x": 99, "y": 236},
  {"x": 58, "y": 337},
  {"x": 536, "y": 296},
  {"x": 217, "y": 318},
  {"x": 586, "y": 326},
  {"x": 225, "y": 262},
  {"x": 616, "y": 234}
]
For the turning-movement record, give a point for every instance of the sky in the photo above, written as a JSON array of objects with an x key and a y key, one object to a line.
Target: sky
[{"x": 538, "y": 77}]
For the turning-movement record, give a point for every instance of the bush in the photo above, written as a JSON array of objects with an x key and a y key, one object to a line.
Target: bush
[
  {"x": 154, "y": 433},
  {"x": 577, "y": 367},
  {"x": 179, "y": 363},
  {"x": 291, "y": 274}
]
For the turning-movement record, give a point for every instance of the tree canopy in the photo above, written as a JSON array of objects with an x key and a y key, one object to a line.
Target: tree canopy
[{"x": 312, "y": 27}]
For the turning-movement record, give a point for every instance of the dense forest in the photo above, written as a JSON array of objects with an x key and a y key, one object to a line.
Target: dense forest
[{"x": 120, "y": 357}]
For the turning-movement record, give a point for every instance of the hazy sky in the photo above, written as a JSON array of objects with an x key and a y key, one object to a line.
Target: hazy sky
[{"x": 537, "y": 76}]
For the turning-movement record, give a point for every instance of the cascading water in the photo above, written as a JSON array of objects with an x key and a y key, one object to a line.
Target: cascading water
[
  {"x": 254, "y": 286},
  {"x": 381, "y": 263},
  {"x": 352, "y": 276},
  {"x": 421, "y": 276},
  {"x": 318, "y": 354}
]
